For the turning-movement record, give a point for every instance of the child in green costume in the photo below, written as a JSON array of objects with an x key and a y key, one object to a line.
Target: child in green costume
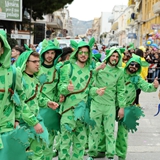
[
  {"x": 75, "y": 83},
  {"x": 29, "y": 63},
  {"x": 107, "y": 74},
  {"x": 13, "y": 140},
  {"x": 132, "y": 81}
]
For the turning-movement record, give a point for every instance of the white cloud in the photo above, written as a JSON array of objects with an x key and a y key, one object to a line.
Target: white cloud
[{"x": 89, "y": 9}]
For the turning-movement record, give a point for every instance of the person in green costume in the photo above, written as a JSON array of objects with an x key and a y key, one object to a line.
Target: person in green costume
[
  {"x": 66, "y": 52},
  {"x": 75, "y": 83},
  {"x": 29, "y": 63},
  {"x": 14, "y": 141},
  {"x": 50, "y": 54},
  {"x": 132, "y": 81},
  {"x": 107, "y": 74}
]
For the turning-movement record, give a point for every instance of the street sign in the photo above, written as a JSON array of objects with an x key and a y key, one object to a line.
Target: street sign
[
  {"x": 20, "y": 36},
  {"x": 155, "y": 26},
  {"x": 132, "y": 36},
  {"x": 11, "y": 10}
]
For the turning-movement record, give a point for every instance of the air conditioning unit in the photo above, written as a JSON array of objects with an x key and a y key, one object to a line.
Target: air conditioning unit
[{"x": 156, "y": 8}]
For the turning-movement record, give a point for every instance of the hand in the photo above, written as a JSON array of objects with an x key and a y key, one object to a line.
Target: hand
[
  {"x": 62, "y": 98},
  {"x": 155, "y": 82},
  {"x": 121, "y": 113},
  {"x": 102, "y": 66},
  {"x": 52, "y": 105},
  {"x": 38, "y": 128},
  {"x": 16, "y": 124},
  {"x": 70, "y": 86},
  {"x": 101, "y": 91}
]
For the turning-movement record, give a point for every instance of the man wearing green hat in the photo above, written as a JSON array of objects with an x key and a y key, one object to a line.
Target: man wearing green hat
[
  {"x": 13, "y": 140},
  {"x": 132, "y": 81},
  {"x": 50, "y": 54},
  {"x": 75, "y": 83},
  {"x": 29, "y": 63},
  {"x": 109, "y": 75}
]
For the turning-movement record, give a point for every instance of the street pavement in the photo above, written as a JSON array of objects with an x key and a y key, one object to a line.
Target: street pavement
[{"x": 145, "y": 143}]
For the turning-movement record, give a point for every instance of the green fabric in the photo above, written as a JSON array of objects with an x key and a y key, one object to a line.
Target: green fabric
[
  {"x": 96, "y": 56},
  {"x": 5, "y": 58},
  {"x": 110, "y": 52},
  {"x": 131, "y": 115},
  {"x": 73, "y": 58},
  {"x": 77, "y": 139},
  {"x": 131, "y": 46},
  {"x": 22, "y": 60},
  {"x": 104, "y": 114},
  {"x": 15, "y": 144},
  {"x": 15, "y": 96}
]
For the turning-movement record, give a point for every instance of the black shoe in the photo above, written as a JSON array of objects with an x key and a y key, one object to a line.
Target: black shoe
[{"x": 100, "y": 155}]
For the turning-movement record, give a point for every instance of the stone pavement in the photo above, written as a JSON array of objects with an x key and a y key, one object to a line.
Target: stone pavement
[{"x": 145, "y": 143}]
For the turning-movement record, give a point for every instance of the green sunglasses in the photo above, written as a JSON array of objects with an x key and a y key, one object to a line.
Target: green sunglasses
[{"x": 81, "y": 52}]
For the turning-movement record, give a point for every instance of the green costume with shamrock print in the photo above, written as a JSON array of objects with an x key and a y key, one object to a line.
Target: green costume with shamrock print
[
  {"x": 103, "y": 107},
  {"x": 30, "y": 113},
  {"x": 73, "y": 110},
  {"x": 49, "y": 90},
  {"x": 132, "y": 82},
  {"x": 13, "y": 142}
]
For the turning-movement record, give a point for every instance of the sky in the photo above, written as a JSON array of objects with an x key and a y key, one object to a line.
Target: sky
[{"x": 89, "y": 9}]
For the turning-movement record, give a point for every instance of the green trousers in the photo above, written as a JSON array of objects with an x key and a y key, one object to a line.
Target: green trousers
[
  {"x": 76, "y": 139},
  {"x": 104, "y": 116},
  {"x": 48, "y": 150},
  {"x": 37, "y": 146},
  {"x": 121, "y": 141}
]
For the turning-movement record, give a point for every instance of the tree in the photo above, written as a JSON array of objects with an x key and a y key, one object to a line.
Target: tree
[{"x": 38, "y": 8}]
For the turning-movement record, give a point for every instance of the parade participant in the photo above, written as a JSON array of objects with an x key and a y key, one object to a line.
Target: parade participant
[
  {"x": 13, "y": 140},
  {"x": 109, "y": 75},
  {"x": 75, "y": 82},
  {"x": 29, "y": 63},
  {"x": 132, "y": 81},
  {"x": 16, "y": 51},
  {"x": 64, "y": 59},
  {"x": 50, "y": 54}
]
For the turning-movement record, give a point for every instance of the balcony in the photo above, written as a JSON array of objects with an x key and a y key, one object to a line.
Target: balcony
[
  {"x": 55, "y": 23},
  {"x": 111, "y": 19},
  {"x": 156, "y": 8}
]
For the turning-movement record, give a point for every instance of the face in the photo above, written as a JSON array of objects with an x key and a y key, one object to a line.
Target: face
[
  {"x": 32, "y": 65},
  {"x": 15, "y": 53},
  {"x": 83, "y": 55},
  {"x": 113, "y": 59},
  {"x": 49, "y": 57},
  {"x": 133, "y": 67}
]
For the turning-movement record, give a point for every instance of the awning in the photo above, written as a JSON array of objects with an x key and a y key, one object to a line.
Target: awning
[{"x": 114, "y": 26}]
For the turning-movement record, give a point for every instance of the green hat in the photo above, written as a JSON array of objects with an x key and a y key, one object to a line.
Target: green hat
[
  {"x": 50, "y": 45},
  {"x": 110, "y": 51},
  {"x": 131, "y": 46},
  {"x": 96, "y": 56},
  {"x": 76, "y": 47},
  {"x": 22, "y": 59}
]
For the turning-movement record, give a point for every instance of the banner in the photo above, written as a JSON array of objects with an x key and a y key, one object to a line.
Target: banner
[{"x": 11, "y": 10}]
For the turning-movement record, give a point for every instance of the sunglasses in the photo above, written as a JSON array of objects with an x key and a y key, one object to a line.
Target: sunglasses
[
  {"x": 81, "y": 52},
  {"x": 135, "y": 64}
]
